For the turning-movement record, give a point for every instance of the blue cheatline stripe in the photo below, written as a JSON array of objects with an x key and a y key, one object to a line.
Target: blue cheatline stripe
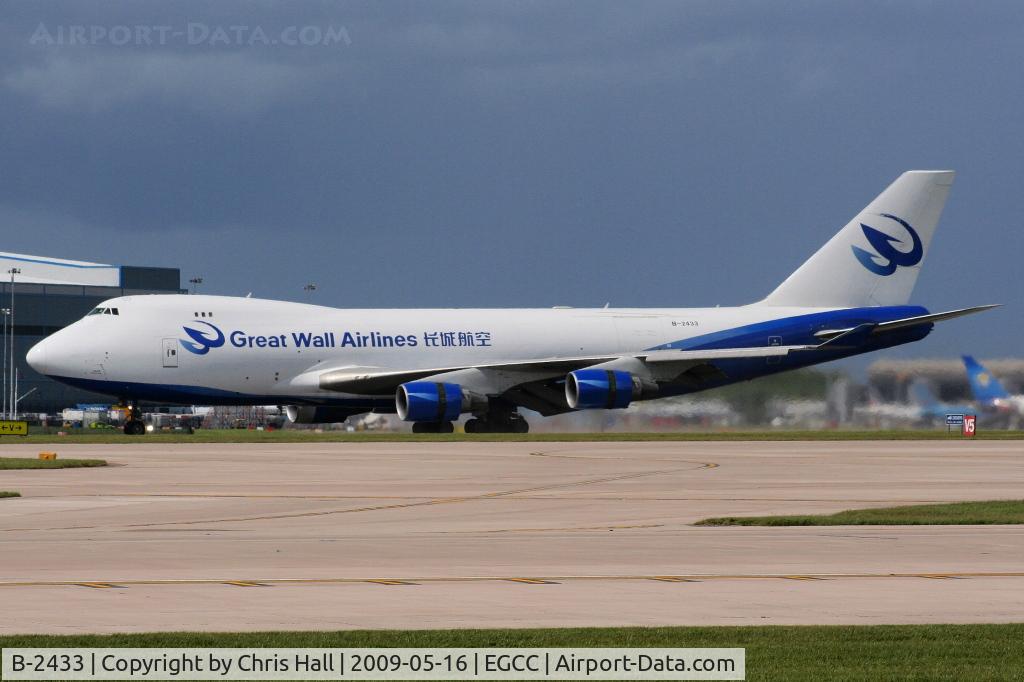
[
  {"x": 795, "y": 330},
  {"x": 43, "y": 261},
  {"x": 202, "y": 395}
]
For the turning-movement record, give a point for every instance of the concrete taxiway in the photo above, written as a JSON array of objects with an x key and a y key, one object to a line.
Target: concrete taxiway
[{"x": 441, "y": 535}]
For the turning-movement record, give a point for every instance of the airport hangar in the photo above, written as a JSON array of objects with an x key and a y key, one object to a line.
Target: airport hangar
[{"x": 51, "y": 293}]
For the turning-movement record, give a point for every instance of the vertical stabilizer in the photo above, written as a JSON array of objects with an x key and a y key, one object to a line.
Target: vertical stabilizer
[
  {"x": 876, "y": 258},
  {"x": 985, "y": 387}
]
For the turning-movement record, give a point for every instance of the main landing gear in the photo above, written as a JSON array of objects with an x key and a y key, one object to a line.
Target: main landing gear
[
  {"x": 499, "y": 418},
  {"x": 432, "y": 427},
  {"x": 133, "y": 425}
]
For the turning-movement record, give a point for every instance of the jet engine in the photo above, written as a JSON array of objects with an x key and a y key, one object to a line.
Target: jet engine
[
  {"x": 318, "y": 414},
  {"x": 433, "y": 401},
  {"x": 601, "y": 388}
]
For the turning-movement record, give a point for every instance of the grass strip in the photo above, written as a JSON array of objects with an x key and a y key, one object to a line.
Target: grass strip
[
  {"x": 880, "y": 652},
  {"x": 954, "y": 513},
  {"x": 31, "y": 463}
]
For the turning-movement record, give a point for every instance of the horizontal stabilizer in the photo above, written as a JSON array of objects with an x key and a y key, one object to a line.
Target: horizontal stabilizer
[
  {"x": 893, "y": 325},
  {"x": 851, "y": 337}
]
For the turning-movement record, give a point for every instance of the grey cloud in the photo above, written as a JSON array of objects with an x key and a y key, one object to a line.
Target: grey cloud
[
  {"x": 516, "y": 153},
  {"x": 214, "y": 83}
]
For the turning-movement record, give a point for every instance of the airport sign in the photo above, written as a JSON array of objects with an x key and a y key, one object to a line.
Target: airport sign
[
  {"x": 13, "y": 428},
  {"x": 970, "y": 426}
]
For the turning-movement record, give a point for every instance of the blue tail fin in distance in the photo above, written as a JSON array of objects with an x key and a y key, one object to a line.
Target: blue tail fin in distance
[{"x": 984, "y": 386}]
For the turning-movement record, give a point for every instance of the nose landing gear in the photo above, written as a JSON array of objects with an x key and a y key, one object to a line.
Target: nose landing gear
[{"x": 133, "y": 424}]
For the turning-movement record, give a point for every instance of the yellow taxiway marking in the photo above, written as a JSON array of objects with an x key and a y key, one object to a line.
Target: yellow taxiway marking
[
  {"x": 561, "y": 455},
  {"x": 566, "y": 528},
  {"x": 245, "y": 583},
  {"x": 406, "y": 505},
  {"x": 536, "y": 580},
  {"x": 414, "y": 502},
  {"x": 391, "y": 582}
]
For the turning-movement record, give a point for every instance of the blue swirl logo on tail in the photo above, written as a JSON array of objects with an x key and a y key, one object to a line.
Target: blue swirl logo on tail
[
  {"x": 201, "y": 342},
  {"x": 883, "y": 245}
]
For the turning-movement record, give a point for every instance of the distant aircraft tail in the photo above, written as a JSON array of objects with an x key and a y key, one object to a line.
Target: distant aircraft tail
[
  {"x": 876, "y": 258},
  {"x": 985, "y": 387}
]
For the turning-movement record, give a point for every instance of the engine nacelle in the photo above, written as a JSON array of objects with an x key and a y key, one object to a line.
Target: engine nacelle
[
  {"x": 601, "y": 388},
  {"x": 431, "y": 401},
  {"x": 318, "y": 414}
]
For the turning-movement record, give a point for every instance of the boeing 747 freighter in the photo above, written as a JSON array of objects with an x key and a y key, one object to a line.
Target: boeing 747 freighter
[{"x": 431, "y": 366}]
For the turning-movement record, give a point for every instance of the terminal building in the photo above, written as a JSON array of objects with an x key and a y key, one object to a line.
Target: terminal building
[{"x": 40, "y": 295}]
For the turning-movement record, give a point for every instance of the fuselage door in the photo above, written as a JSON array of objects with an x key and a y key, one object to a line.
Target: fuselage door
[
  {"x": 170, "y": 352},
  {"x": 774, "y": 341}
]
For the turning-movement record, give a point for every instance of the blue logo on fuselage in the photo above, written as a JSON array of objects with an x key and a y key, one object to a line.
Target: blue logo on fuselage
[
  {"x": 201, "y": 343},
  {"x": 883, "y": 245}
]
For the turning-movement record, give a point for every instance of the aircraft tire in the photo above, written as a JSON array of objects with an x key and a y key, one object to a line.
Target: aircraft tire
[
  {"x": 134, "y": 428},
  {"x": 433, "y": 427}
]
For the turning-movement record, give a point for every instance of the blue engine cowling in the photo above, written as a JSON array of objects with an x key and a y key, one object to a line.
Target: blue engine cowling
[
  {"x": 598, "y": 388},
  {"x": 428, "y": 401}
]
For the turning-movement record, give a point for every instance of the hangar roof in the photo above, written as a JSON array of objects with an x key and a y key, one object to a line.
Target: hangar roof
[{"x": 44, "y": 270}]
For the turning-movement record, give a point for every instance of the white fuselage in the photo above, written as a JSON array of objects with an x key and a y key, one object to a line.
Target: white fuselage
[{"x": 277, "y": 350}]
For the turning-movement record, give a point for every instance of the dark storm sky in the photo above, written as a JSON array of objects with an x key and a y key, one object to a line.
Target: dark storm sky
[{"x": 515, "y": 154}]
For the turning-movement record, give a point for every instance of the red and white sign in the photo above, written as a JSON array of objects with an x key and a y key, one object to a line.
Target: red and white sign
[{"x": 970, "y": 425}]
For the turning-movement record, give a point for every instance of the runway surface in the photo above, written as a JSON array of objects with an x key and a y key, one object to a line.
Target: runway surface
[{"x": 422, "y": 535}]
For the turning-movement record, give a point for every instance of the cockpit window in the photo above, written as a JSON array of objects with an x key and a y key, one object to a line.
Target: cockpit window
[
  {"x": 103, "y": 311},
  {"x": 95, "y": 311}
]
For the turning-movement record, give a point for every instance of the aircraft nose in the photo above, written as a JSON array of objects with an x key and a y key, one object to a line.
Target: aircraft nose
[{"x": 36, "y": 357}]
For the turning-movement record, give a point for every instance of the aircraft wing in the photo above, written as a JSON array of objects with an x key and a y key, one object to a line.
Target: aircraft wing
[
  {"x": 372, "y": 380},
  {"x": 534, "y": 383}
]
